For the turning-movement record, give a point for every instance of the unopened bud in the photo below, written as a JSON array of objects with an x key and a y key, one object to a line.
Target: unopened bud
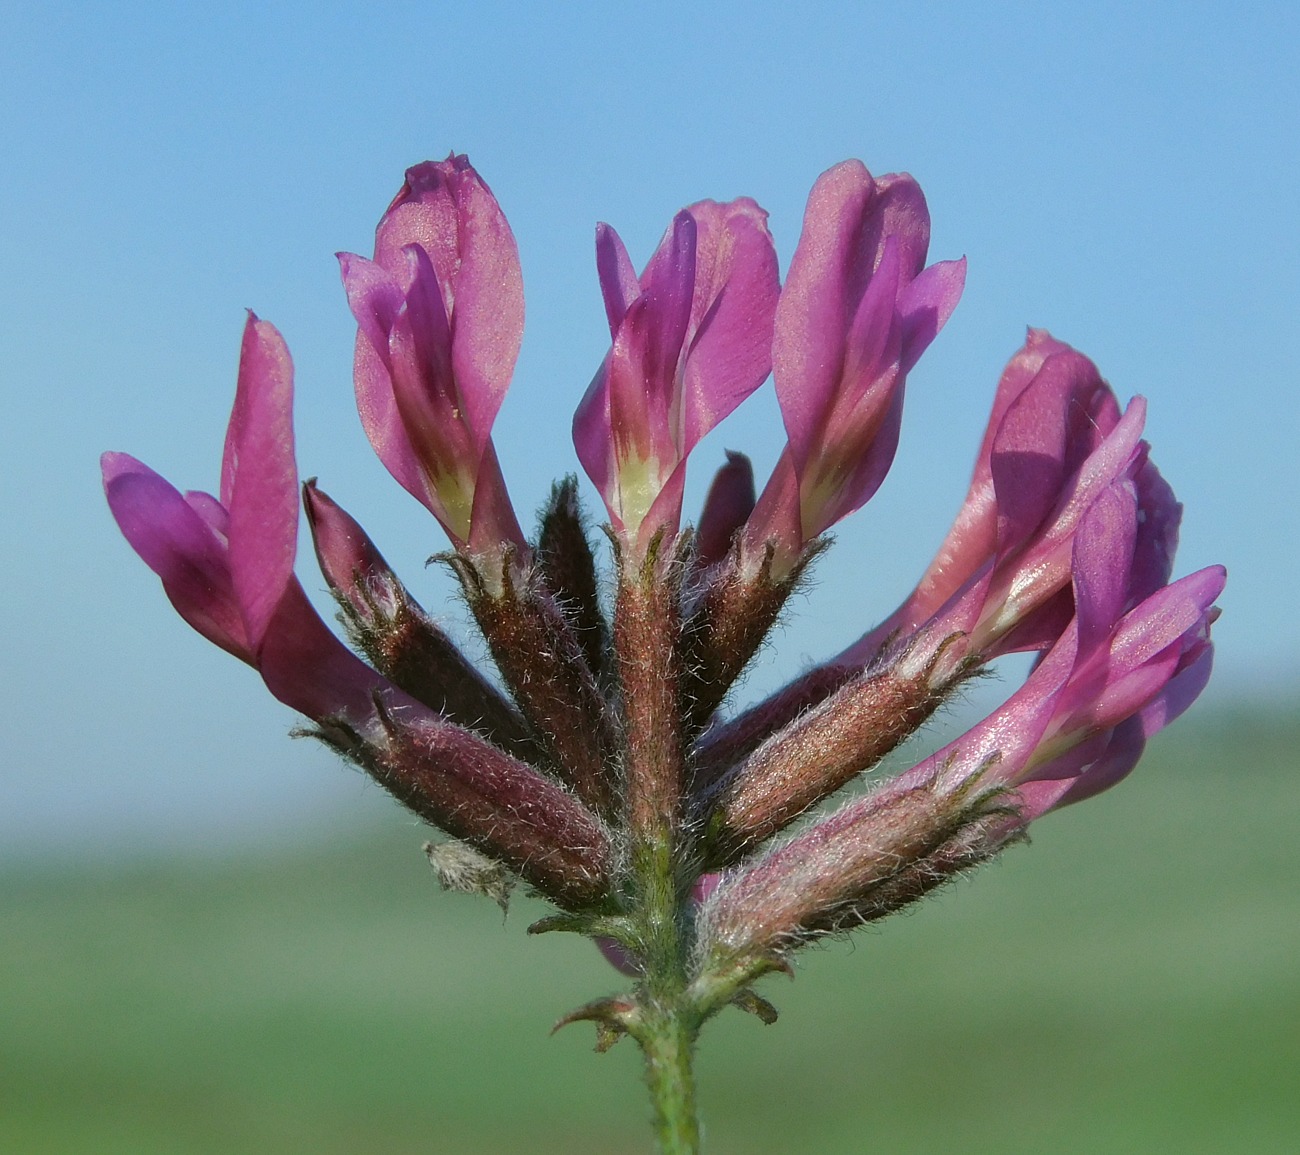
[
  {"x": 864, "y": 861},
  {"x": 500, "y": 806},
  {"x": 816, "y": 755},
  {"x": 733, "y": 615},
  {"x": 388, "y": 625},
  {"x": 540, "y": 659},
  {"x": 727, "y": 507},
  {"x": 568, "y": 567}
]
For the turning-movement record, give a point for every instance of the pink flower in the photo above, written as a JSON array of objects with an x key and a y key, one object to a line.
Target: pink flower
[
  {"x": 1115, "y": 676},
  {"x": 1056, "y": 442},
  {"x": 691, "y": 340},
  {"x": 858, "y": 309},
  {"x": 441, "y": 314},
  {"x": 1124, "y": 668},
  {"x": 227, "y": 563},
  {"x": 591, "y": 762}
]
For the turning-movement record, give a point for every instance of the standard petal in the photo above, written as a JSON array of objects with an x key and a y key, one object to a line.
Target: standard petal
[
  {"x": 820, "y": 296},
  {"x": 733, "y": 310},
  {"x": 1157, "y": 541},
  {"x": 488, "y": 308},
  {"x": 259, "y": 478},
  {"x": 308, "y": 669},
  {"x": 1028, "y": 456}
]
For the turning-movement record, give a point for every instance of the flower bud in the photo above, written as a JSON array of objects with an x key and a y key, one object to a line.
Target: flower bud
[
  {"x": 440, "y": 312},
  {"x": 691, "y": 340},
  {"x": 388, "y": 625}
]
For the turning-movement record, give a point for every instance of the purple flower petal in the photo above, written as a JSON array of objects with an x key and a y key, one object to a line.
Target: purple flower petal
[
  {"x": 1103, "y": 556},
  {"x": 926, "y": 304},
  {"x": 1028, "y": 458},
  {"x": 732, "y": 312},
  {"x": 440, "y": 312},
  {"x": 727, "y": 507},
  {"x": 857, "y": 309},
  {"x": 259, "y": 478},
  {"x": 180, "y": 546},
  {"x": 308, "y": 669},
  {"x": 618, "y": 281},
  {"x": 1159, "y": 515},
  {"x": 691, "y": 339}
]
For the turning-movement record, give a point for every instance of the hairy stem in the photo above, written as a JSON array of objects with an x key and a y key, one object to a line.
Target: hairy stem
[
  {"x": 668, "y": 1043},
  {"x": 646, "y": 633}
]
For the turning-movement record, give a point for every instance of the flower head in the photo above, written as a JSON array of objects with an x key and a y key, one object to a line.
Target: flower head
[{"x": 597, "y": 762}]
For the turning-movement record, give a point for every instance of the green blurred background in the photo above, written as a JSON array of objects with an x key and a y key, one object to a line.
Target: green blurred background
[{"x": 1129, "y": 982}]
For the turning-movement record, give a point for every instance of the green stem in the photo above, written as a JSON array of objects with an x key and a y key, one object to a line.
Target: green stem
[
  {"x": 667, "y": 1042},
  {"x": 646, "y": 631},
  {"x": 668, "y": 1022}
]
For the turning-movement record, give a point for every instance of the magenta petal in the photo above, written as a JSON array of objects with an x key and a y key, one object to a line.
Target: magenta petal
[
  {"x": 818, "y": 299},
  {"x": 898, "y": 210},
  {"x": 382, "y": 421},
  {"x": 641, "y": 372},
  {"x": 1164, "y": 618},
  {"x": 849, "y": 447},
  {"x": 926, "y": 304},
  {"x": 1101, "y": 561},
  {"x": 437, "y": 419},
  {"x": 668, "y": 290},
  {"x": 873, "y": 341},
  {"x": 1039, "y": 629},
  {"x": 1157, "y": 539},
  {"x": 618, "y": 281},
  {"x": 1112, "y": 457},
  {"x": 1124, "y": 749},
  {"x": 375, "y": 298},
  {"x": 1027, "y": 459},
  {"x": 732, "y": 313},
  {"x": 727, "y": 507},
  {"x": 1000, "y": 746},
  {"x": 867, "y": 473},
  {"x": 426, "y": 321},
  {"x": 691, "y": 340},
  {"x": 593, "y": 435},
  {"x": 307, "y": 668},
  {"x": 1182, "y": 690},
  {"x": 259, "y": 478},
  {"x": 488, "y": 310},
  {"x": 180, "y": 546},
  {"x": 211, "y": 510},
  {"x": 1019, "y": 373},
  {"x": 493, "y": 522},
  {"x": 776, "y": 519},
  {"x": 441, "y": 313}
]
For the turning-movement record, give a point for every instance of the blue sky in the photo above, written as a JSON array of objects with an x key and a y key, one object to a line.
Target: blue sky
[{"x": 1126, "y": 176}]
